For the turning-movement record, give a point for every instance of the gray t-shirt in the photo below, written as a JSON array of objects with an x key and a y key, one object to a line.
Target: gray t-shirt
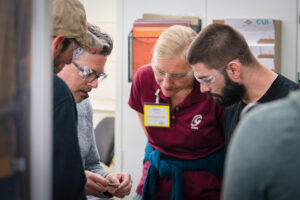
[
  {"x": 88, "y": 149},
  {"x": 263, "y": 159}
]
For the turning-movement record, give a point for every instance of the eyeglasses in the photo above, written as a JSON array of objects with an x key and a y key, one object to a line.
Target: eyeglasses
[
  {"x": 88, "y": 74},
  {"x": 163, "y": 74},
  {"x": 206, "y": 80}
]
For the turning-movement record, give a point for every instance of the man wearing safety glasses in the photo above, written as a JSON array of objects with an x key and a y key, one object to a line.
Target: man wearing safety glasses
[
  {"x": 229, "y": 73},
  {"x": 82, "y": 75}
]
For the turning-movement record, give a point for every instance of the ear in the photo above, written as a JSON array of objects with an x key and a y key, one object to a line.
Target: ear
[
  {"x": 233, "y": 70},
  {"x": 57, "y": 44}
]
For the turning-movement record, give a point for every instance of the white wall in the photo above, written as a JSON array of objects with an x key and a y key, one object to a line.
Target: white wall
[{"x": 130, "y": 140}]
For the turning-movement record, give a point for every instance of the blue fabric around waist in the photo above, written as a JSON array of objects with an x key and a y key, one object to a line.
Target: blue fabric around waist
[{"x": 161, "y": 165}]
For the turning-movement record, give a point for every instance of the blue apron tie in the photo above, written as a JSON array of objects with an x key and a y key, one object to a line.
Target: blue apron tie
[{"x": 161, "y": 165}]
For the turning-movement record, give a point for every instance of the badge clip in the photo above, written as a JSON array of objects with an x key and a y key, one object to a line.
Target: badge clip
[{"x": 157, "y": 96}]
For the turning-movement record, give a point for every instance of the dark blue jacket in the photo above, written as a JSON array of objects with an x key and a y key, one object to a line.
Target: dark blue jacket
[{"x": 68, "y": 173}]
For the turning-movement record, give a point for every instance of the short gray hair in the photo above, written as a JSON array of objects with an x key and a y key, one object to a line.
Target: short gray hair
[{"x": 106, "y": 50}]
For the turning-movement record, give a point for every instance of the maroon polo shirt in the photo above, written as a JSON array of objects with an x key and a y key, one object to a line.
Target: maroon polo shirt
[{"x": 195, "y": 131}]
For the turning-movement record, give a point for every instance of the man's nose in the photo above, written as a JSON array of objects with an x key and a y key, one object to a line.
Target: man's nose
[
  {"x": 94, "y": 83},
  {"x": 167, "y": 81},
  {"x": 204, "y": 88}
]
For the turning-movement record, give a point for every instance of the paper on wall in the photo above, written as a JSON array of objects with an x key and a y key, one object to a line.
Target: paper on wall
[
  {"x": 254, "y": 30},
  {"x": 265, "y": 50},
  {"x": 260, "y": 36}
]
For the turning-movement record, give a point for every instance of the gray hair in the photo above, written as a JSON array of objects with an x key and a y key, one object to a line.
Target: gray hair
[{"x": 104, "y": 37}]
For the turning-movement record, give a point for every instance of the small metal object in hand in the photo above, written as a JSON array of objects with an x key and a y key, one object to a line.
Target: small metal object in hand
[{"x": 113, "y": 184}]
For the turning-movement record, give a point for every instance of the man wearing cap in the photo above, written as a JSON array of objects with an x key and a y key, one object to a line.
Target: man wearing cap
[
  {"x": 69, "y": 30},
  {"x": 70, "y": 26}
]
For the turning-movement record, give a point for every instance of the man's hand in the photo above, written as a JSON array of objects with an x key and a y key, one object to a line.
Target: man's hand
[
  {"x": 119, "y": 184},
  {"x": 95, "y": 183}
]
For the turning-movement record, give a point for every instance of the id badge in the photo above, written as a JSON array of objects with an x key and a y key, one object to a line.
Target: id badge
[{"x": 157, "y": 115}]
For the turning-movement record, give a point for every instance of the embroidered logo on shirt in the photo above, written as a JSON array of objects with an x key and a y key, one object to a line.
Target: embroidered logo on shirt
[{"x": 196, "y": 121}]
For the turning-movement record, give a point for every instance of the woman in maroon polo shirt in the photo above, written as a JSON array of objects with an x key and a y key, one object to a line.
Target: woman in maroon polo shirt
[{"x": 184, "y": 155}]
